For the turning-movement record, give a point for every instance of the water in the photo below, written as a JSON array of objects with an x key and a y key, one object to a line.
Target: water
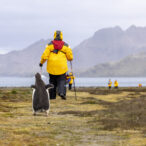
[{"x": 79, "y": 82}]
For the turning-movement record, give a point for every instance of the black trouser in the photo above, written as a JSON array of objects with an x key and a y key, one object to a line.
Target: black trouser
[
  {"x": 70, "y": 86},
  {"x": 59, "y": 82}
]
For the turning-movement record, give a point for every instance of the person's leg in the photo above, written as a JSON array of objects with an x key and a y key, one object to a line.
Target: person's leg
[
  {"x": 70, "y": 86},
  {"x": 61, "y": 83},
  {"x": 53, "y": 80}
]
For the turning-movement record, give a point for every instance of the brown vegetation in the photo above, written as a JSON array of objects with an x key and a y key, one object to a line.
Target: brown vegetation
[{"x": 99, "y": 117}]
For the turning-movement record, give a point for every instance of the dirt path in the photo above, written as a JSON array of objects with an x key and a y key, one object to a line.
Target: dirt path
[{"x": 110, "y": 119}]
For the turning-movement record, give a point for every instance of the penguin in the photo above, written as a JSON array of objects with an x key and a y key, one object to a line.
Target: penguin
[{"x": 40, "y": 95}]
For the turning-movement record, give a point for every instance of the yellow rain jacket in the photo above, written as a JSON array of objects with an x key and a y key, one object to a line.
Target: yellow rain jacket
[
  {"x": 71, "y": 77},
  {"x": 110, "y": 83},
  {"x": 116, "y": 84},
  {"x": 57, "y": 62}
]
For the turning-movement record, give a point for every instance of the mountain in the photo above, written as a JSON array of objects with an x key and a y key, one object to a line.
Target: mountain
[
  {"x": 109, "y": 44},
  {"x": 106, "y": 45},
  {"x": 24, "y": 62},
  {"x": 131, "y": 66}
]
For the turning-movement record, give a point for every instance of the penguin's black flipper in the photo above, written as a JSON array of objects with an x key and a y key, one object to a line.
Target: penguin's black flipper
[
  {"x": 33, "y": 86},
  {"x": 49, "y": 86}
]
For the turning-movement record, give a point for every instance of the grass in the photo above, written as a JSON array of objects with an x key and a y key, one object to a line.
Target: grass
[{"x": 99, "y": 117}]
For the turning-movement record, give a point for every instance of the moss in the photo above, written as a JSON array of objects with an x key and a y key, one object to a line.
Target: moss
[{"x": 14, "y": 92}]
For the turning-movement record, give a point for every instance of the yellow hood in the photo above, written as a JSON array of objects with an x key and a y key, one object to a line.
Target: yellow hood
[{"x": 58, "y": 35}]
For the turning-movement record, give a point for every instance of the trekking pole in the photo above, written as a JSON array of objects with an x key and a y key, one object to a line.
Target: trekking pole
[
  {"x": 41, "y": 70},
  {"x": 73, "y": 80}
]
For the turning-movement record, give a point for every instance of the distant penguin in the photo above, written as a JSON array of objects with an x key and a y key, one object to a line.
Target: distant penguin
[{"x": 40, "y": 95}]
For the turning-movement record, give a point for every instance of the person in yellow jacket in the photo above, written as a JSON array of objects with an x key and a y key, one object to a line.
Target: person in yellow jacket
[
  {"x": 70, "y": 80},
  {"x": 57, "y": 53},
  {"x": 109, "y": 84},
  {"x": 139, "y": 85},
  {"x": 116, "y": 84}
]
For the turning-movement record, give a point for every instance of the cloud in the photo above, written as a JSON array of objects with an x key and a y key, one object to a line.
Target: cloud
[{"x": 24, "y": 22}]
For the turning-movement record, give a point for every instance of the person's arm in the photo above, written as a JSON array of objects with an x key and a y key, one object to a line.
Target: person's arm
[
  {"x": 45, "y": 55},
  {"x": 69, "y": 54}
]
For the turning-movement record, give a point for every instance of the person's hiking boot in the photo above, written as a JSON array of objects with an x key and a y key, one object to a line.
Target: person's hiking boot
[{"x": 62, "y": 96}]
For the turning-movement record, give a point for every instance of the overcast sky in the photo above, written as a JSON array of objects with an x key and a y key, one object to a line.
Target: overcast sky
[{"x": 23, "y": 22}]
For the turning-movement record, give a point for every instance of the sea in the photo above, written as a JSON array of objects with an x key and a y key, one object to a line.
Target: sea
[{"x": 79, "y": 82}]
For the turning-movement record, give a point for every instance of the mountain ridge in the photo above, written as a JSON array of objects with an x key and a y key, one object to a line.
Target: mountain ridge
[
  {"x": 106, "y": 45},
  {"x": 109, "y": 44},
  {"x": 131, "y": 66}
]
